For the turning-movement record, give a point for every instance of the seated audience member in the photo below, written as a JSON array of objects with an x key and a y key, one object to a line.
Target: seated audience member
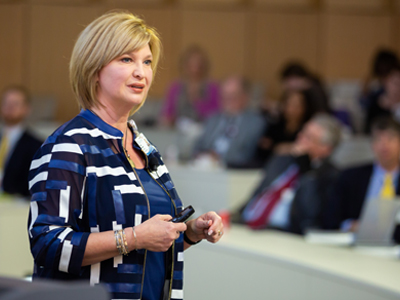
[
  {"x": 295, "y": 77},
  {"x": 379, "y": 179},
  {"x": 386, "y": 102},
  {"x": 293, "y": 194},
  {"x": 17, "y": 144},
  {"x": 231, "y": 136},
  {"x": 194, "y": 96},
  {"x": 279, "y": 136},
  {"x": 383, "y": 62}
]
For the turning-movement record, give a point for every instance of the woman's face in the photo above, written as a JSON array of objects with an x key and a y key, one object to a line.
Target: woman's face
[
  {"x": 126, "y": 79},
  {"x": 294, "y": 107},
  {"x": 194, "y": 65},
  {"x": 392, "y": 84}
]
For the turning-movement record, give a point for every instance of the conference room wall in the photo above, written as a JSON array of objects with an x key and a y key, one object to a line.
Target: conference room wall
[
  {"x": 11, "y": 44},
  {"x": 52, "y": 32},
  {"x": 334, "y": 40}
]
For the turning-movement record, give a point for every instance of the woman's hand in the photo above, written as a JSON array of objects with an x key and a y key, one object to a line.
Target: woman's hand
[
  {"x": 208, "y": 226},
  {"x": 157, "y": 234}
]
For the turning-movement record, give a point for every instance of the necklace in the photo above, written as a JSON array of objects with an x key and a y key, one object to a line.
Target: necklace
[{"x": 126, "y": 138}]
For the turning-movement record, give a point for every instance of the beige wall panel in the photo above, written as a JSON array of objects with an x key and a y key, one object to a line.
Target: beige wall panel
[
  {"x": 12, "y": 41},
  {"x": 222, "y": 35},
  {"x": 61, "y": 2},
  {"x": 396, "y": 32},
  {"x": 128, "y": 3},
  {"x": 228, "y": 2},
  {"x": 53, "y": 32},
  {"x": 280, "y": 38},
  {"x": 164, "y": 20},
  {"x": 285, "y": 3},
  {"x": 354, "y": 4},
  {"x": 350, "y": 41}
]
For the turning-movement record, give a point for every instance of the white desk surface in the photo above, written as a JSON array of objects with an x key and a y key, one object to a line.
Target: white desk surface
[
  {"x": 15, "y": 257},
  {"x": 344, "y": 262},
  {"x": 265, "y": 248}
]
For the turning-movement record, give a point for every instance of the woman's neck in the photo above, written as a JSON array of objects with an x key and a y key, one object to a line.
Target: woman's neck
[{"x": 112, "y": 117}]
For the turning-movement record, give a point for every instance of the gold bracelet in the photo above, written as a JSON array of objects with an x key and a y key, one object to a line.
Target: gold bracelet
[
  {"x": 118, "y": 241},
  {"x": 124, "y": 243}
]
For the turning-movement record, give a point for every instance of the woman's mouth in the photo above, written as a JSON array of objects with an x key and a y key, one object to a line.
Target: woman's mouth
[{"x": 137, "y": 87}]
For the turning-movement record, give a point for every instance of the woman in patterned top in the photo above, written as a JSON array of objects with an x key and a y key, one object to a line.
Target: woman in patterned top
[{"x": 100, "y": 190}]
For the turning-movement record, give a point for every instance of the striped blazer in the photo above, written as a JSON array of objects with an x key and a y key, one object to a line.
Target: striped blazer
[{"x": 81, "y": 182}]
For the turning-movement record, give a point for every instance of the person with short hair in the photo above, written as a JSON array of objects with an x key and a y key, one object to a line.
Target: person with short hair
[
  {"x": 372, "y": 181},
  {"x": 100, "y": 189},
  {"x": 18, "y": 144},
  {"x": 294, "y": 192},
  {"x": 230, "y": 137}
]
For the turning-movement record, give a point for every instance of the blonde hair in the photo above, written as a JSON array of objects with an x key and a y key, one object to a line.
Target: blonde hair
[{"x": 106, "y": 38}]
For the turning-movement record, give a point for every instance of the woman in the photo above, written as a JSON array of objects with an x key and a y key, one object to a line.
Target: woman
[
  {"x": 99, "y": 189},
  {"x": 386, "y": 102},
  {"x": 194, "y": 96},
  {"x": 296, "y": 110}
]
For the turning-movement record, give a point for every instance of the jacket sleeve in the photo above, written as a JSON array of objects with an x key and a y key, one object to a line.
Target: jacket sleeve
[
  {"x": 335, "y": 211},
  {"x": 56, "y": 182}
]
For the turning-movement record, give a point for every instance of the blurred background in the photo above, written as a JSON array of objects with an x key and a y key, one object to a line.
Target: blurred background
[
  {"x": 336, "y": 39},
  {"x": 254, "y": 53}
]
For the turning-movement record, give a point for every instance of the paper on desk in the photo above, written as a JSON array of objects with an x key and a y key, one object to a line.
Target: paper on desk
[
  {"x": 387, "y": 252},
  {"x": 329, "y": 237}
]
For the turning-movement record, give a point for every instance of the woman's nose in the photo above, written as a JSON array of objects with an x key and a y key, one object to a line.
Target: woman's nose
[{"x": 138, "y": 72}]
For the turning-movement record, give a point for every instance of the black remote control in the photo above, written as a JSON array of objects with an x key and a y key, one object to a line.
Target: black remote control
[{"x": 183, "y": 215}]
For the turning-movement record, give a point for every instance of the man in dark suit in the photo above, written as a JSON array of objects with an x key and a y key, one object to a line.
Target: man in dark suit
[
  {"x": 293, "y": 194},
  {"x": 17, "y": 144},
  {"x": 379, "y": 179}
]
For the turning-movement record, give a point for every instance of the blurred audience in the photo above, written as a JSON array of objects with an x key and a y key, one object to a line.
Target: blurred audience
[
  {"x": 17, "y": 144},
  {"x": 296, "y": 77},
  {"x": 194, "y": 96},
  {"x": 231, "y": 136},
  {"x": 295, "y": 109},
  {"x": 295, "y": 189},
  {"x": 386, "y": 101},
  {"x": 379, "y": 179},
  {"x": 382, "y": 64}
]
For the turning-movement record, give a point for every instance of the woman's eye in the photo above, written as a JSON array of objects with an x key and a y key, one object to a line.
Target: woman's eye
[
  {"x": 126, "y": 59},
  {"x": 147, "y": 62}
]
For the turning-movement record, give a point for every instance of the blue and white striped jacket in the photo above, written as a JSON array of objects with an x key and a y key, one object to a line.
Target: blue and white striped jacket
[{"x": 81, "y": 182}]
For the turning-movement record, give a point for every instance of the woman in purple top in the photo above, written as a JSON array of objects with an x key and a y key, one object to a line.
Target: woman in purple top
[{"x": 194, "y": 96}]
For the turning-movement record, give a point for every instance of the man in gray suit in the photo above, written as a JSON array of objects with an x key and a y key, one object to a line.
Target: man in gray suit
[{"x": 231, "y": 136}]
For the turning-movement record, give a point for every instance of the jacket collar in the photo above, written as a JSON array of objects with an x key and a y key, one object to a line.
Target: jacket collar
[{"x": 100, "y": 124}]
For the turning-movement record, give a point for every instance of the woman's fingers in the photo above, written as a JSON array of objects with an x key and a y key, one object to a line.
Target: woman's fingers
[
  {"x": 216, "y": 230},
  {"x": 180, "y": 227},
  {"x": 158, "y": 234},
  {"x": 208, "y": 226},
  {"x": 163, "y": 217}
]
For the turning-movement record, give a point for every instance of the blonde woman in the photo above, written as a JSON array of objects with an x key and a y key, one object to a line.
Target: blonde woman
[{"x": 100, "y": 190}]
